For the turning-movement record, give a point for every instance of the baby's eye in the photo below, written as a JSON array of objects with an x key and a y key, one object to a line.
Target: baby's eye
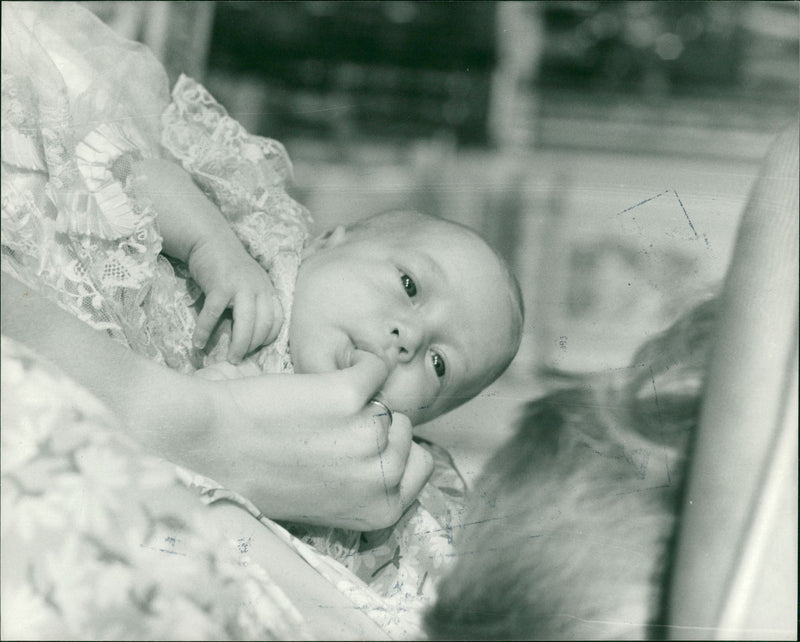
[
  {"x": 438, "y": 364},
  {"x": 408, "y": 285}
]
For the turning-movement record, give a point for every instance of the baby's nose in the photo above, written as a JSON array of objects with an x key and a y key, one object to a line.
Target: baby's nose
[{"x": 406, "y": 341}]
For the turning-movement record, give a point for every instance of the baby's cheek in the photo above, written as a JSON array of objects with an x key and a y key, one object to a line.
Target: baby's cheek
[{"x": 407, "y": 391}]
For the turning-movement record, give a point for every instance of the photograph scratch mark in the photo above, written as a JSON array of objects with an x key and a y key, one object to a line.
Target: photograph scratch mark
[
  {"x": 647, "y": 200},
  {"x": 686, "y": 214},
  {"x": 383, "y": 473}
]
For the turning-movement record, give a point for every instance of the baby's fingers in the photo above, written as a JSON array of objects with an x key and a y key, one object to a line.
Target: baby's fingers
[
  {"x": 244, "y": 316},
  {"x": 213, "y": 307},
  {"x": 269, "y": 318}
]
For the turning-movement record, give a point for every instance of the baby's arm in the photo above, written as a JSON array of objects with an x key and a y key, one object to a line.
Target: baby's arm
[{"x": 195, "y": 232}]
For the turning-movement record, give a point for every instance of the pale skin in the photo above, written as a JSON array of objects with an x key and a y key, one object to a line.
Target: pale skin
[
  {"x": 261, "y": 436},
  {"x": 308, "y": 447}
]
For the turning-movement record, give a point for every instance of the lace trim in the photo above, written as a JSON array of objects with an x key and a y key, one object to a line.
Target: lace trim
[{"x": 244, "y": 175}]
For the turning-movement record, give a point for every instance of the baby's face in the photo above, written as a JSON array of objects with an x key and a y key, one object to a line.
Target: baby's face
[{"x": 433, "y": 304}]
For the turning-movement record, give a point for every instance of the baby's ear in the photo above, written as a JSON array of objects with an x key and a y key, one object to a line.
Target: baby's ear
[{"x": 331, "y": 238}]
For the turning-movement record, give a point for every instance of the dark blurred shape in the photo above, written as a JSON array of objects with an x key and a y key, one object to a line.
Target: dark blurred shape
[
  {"x": 669, "y": 77},
  {"x": 641, "y": 47},
  {"x": 394, "y": 69},
  {"x": 685, "y": 78},
  {"x": 567, "y": 529}
]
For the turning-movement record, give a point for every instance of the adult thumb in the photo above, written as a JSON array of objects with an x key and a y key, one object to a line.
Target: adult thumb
[{"x": 367, "y": 374}]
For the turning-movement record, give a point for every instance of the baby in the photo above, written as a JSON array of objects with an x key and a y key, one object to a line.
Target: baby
[
  {"x": 427, "y": 296},
  {"x": 106, "y": 175}
]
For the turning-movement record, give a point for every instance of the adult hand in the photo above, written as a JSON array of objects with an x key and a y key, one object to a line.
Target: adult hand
[
  {"x": 311, "y": 448},
  {"x": 307, "y": 448}
]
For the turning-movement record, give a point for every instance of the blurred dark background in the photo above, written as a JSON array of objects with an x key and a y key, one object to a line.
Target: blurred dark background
[
  {"x": 606, "y": 148},
  {"x": 484, "y": 72},
  {"x": 332, "y": 69}
]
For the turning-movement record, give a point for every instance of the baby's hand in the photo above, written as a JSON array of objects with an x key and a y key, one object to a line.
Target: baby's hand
[{"x": 231, "y": 278}]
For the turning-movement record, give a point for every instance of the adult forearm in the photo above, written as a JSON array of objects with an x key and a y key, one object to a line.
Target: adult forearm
[
  {"x": 159, "y": 408},
  {"x": 303, "y": 447}
]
